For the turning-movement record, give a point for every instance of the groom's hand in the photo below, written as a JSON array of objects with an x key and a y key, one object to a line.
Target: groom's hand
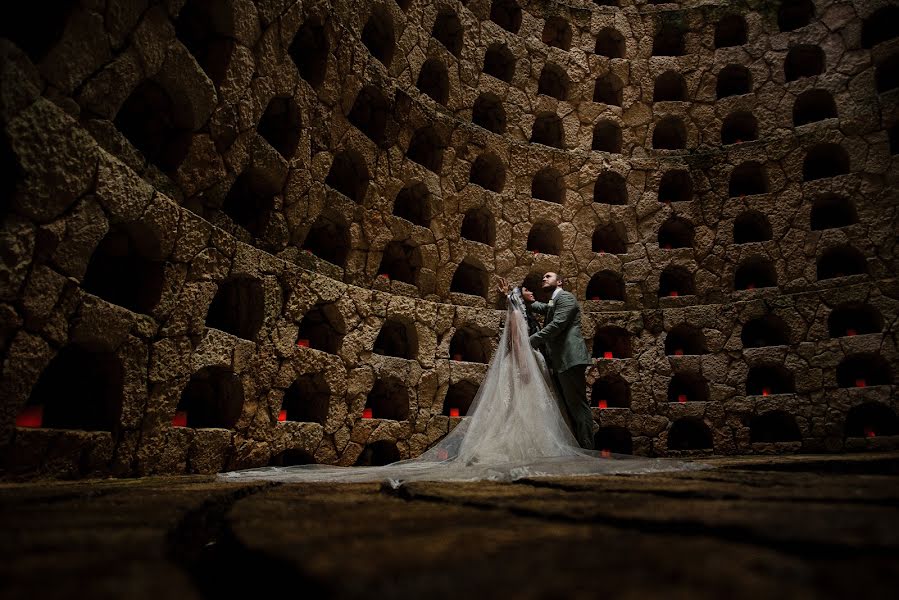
[{"x": 527, "y": 294}]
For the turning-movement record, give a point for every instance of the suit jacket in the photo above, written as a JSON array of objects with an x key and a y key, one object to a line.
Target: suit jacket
[{"x": 561, "y": 335}]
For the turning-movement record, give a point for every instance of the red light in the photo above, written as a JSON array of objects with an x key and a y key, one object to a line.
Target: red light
[
  {"x": 673, "y": 293},
  {"x": 766, "y": 391},
  {"x": 302, "y": 343},
  {"x": 454, "y": 412},
  {"x": 31, "y": 416},
  {"x": 750, "y": 286},
  {"x": 850, "y": 332},
  {"x": 604, "y": 404},
  {"x": 678, "y": 352},
  {"x": 180, "y": 419},
  {"x": 594, "y": 297},
  {"x": 869, "y": 432},
  {"x": 606, "y": 453},
  {"x": 602, "y": 251},
  {"x": 384, "y": 276},
  {"x": 282, "y": 416},
  {"x": 457, "y": 357},
  {"x": 860, "y": 382},
  {"x": 607, "y": 355},
  {"x": 666, "y": 247},
  {"x": 366, "y": 413},
  {"x": 682, "y": 398}
]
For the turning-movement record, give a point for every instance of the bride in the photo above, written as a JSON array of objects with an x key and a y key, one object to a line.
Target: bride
[{"x": 514, "y": 429}]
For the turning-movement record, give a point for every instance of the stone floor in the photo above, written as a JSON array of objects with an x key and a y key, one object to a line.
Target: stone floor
[{"x": 755, "y": 527}]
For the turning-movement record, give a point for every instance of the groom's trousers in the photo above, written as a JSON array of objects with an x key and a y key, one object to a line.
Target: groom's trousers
[{"x": 573, "y": 387}]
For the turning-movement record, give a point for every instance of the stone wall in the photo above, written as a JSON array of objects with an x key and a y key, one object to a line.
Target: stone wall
[{"x": 192, "y": 188}]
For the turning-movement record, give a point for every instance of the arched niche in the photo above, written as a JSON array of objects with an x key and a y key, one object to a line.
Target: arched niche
[
  {"x": 401, "y": 261},
  {"x": 670, "y": 86},
  {"x": 499, "y": 62},
  {"x": 213, "y": 398},
  {"x": 307, "y": 399},
  {"x": 544, "y": 238},
  {"x": 882, "y": 25},
  {"x": 309, "y": 51},
  {"x": 469, "y": 278},
  {"x": 488, "y": 172},
  {"x": 470, "y": 344},
  {"x": 378, "y": 454},
  {"x": 748, "y": 179},
  {"x": 251, "y": 200},
  {"x": 755, "y": 272},
  {"x": 378, "y": 35},
  {"x": 739, "y": 127},
  {"x": 610, "y": 238},
  {"x": 397, "y": 338},
  {"x": 322, "y": 328},
  {"x": 349, "y": 175},
  {"x": 238, "y": 307},
  {"x": 280, "y": 125},
  {"x": 459, "y": 397},
  {"x": 426, "y": 149},
  {"x": 863, "y": 370},
  {"x": 676, "y": 281},
  {"x": 506, "y": 14},
  {"x": 610, "y": 188},
  {"x": 871, "y": 419},
  {"x": 557, "y": 32},
  {"x": 291, "y": 457},
  {"x": 478, "y": 225},
  {"x": 548, "y": 185},
  {"x": 854, "y": 318},
  {"x": 206, "y": 29},
  {"x": 611, "y": 391},
  {"x": 830, "y": 211},
  {"x": 733, "y": 80},
  {"x": 730, "y": 31},
  {"x": 610, "y": 43},
  {"x": 547, "y": 130},
  {"x": 448, "y": 31},
  {"x": 370, "y": 113},
  {"x": 841, "y": 261},
  {"x": 687, "y": 387},
  {"x": 689, "y": 433},
  {"x": 685, "y": 340},
  {"x": 669, "y": 134},
  {"x": 768, "y": 379},
  {"x": 676, "y": 232},
  {"x": 751, "y": 226},
  {"x": 156, "y": 125},
  {"x": 767, "y": 330},
  {"x": 127, "y": 268},
  {"x": 676, "y": 186},
  {"x": 553, "y": 82},
  {"x": 614, "y": 439},
  {"x": 413, "y": 203},
  {"x": 605, "y": 285},
  {"x": 488, "y": 112},
  {"x": 81, "y": 389},
  {"x": 389, "y": 399},
  {"x": 608, "y": 89},
  {"x": 774, "y": 426},
  {"x": 433, "y": 81},
  {"x": 794, "y": 14},
  {"x": 612, "y": 342},
  {"x": 803, "y": 60},
  {"x": 812, "y": 106},
  {"x": 607, "y": 137},
  {"x": 328, "y": 238},
  {"x": 669, "y": 40}
]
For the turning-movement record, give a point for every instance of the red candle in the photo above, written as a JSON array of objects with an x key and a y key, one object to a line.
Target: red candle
[
  {"x": 594, "y": 297},
  {"x": 457, "y": 357},
  {"x": 673, "y": 293},
  {"x": 602, "y": 251},
  {"x": 766, "y": 391},
  {"x": 666, "y": 247},
  {"x": 682, "y": 398},
  {"x": 606, "y": 453},
  {"x": 604, "y": 404},
  {"x": 282, "y": 416},
  {"x": 869, "y": 432},
  {"x": 607, "y": 355},
  {"x": 750, "y": 286},
  {"x": 534, "y": 251},
  {"x": 301, "y": 343},
  {"x": 384, "y": 276},
  {"x": 180, "y": 419},
  {"x": 366, "y": 413},
  {"x": 678, "y": 352},
  {"x": 31, "y": 416},
  {"x": 860, "y": 382},
  {"x": 454, "y": 412},
  {"x": 850, "y": 332}
]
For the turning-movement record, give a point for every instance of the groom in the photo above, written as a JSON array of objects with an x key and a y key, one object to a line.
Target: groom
[{"x": 566, "y": 352}]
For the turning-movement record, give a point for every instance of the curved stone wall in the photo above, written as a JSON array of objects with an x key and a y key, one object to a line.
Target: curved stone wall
[{"x": 219, "y": 214}]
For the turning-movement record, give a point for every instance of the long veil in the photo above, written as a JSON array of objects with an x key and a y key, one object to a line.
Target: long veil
[{"x": 513, "y": 429}]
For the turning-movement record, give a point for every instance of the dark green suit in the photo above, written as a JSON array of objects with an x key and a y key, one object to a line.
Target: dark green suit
[{"x": 568, "y": 358}]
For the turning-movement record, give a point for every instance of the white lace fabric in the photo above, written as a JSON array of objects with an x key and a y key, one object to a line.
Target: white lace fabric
[{"x": 514, "y": 429}]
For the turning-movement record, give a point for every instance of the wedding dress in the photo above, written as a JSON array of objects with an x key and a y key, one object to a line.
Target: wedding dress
[{"x": 514, "y": 429}]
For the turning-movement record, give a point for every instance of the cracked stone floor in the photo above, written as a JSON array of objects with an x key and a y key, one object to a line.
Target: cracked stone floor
[{"x": 808, "y": 526}]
